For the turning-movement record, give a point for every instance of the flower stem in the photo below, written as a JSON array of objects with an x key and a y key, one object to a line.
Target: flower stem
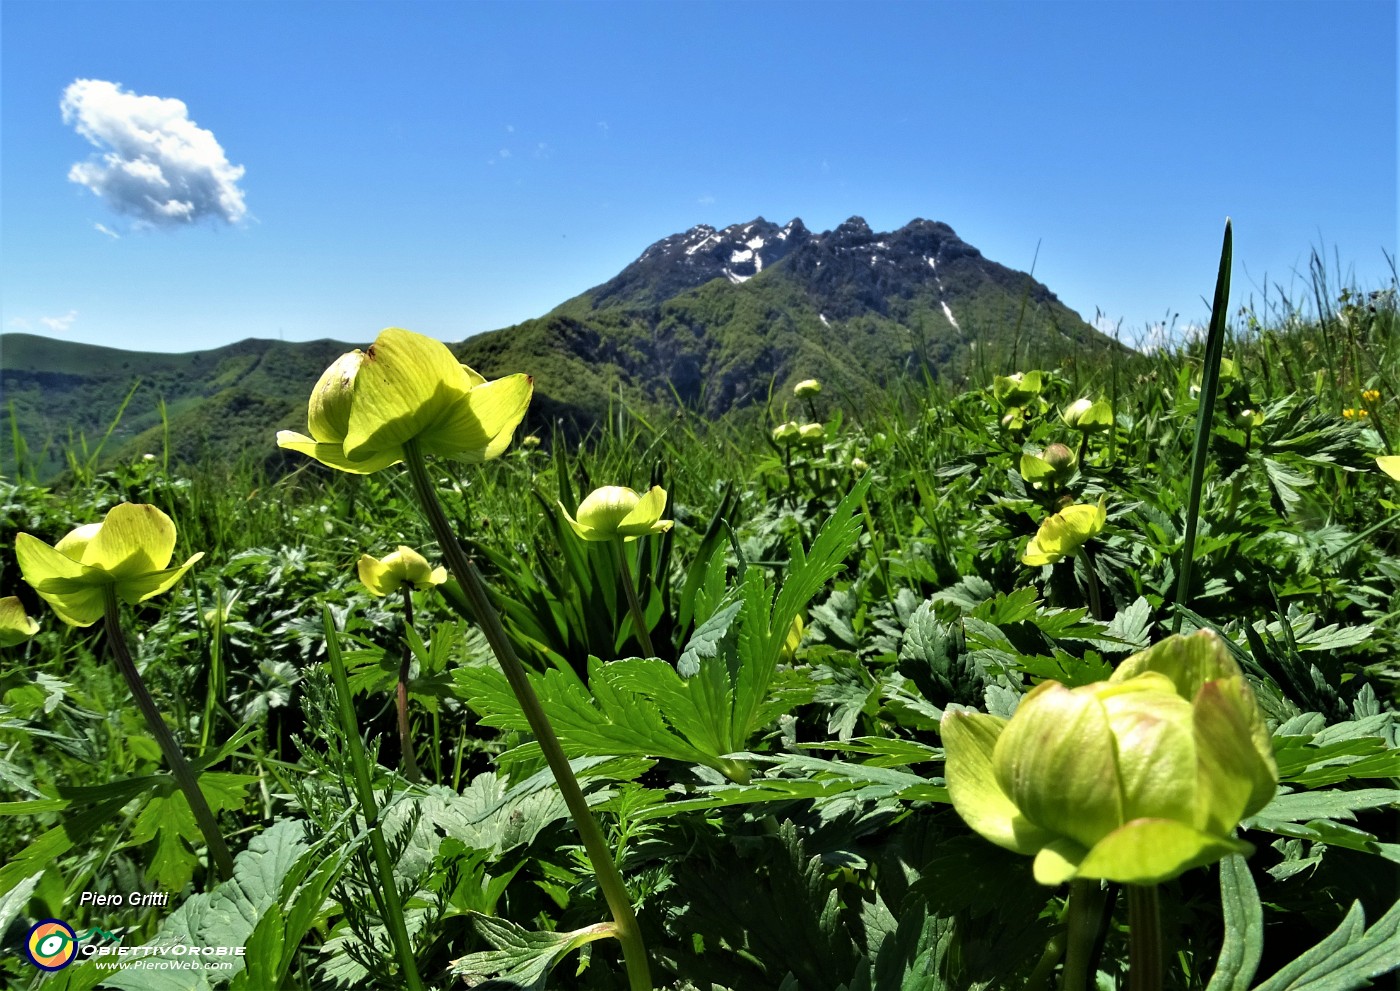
[
  {"x": 1084, "y": 931},
  {"x": 634, "y": 604},
  {"x": 1091, "y": 581},
  {"x": 605, "y": 869},
  {"x": 1144, "y": 938},
  {"x": 364, "y": 790},
  {"x": 408, "y": 759},
  {"x": 180, "y": 769}
]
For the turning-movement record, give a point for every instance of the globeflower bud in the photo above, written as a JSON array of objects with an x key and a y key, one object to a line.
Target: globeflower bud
[
  {"x": 1018, "y": 389},
  {"x": 617, "y": 511},
  {"x": 1090, "y": 417},
  {"x": 1014, "y": 419},
  {"x": 1247, "y": 419},
  {"x": 404, "y": 566},
  {"x": 812, "y": 433},
  {"x": 1135, "y": 779},
  {"x": 1052, "y": 466},
  {"x": 786, "y": 433},
  {"x": 807, "y": 387}
]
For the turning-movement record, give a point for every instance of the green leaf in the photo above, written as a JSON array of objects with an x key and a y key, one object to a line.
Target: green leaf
[
  {"x": 227, "y": 916},
  {"x": 1243, "y": 945},
  {"x": 1347, "y": 959},
  {"x": 705, "y": 641},
  {"x": 521, "y": 960},
  {"x": 1327, "y": 804}
]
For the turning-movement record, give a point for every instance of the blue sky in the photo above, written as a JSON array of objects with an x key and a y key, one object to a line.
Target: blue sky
[{"x": 458, "y": 167}]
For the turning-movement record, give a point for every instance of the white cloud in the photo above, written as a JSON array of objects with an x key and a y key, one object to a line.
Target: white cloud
[
  {"x": 706, "y": 200},
  {"x": 157, "y": 165},
  {"x": 60, "y": 324},
  {"x": 104, "y": 229},
  {"x": 503, "y": 153},
  {"x": 19, "y": 323}
]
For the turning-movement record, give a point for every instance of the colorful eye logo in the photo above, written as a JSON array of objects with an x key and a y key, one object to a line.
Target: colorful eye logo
[{"x": 51, "y": 945}]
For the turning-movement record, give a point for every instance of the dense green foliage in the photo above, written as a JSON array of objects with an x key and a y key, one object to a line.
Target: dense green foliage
[{"x": 776, "y": 805}]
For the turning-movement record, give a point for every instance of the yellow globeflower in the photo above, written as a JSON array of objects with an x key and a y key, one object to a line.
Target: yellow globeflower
[
  {"x": 129, "y": 550},
  {"x": 407, "y": 387},
  {"x": 617, "y": 511},
  {"x": 16, "y": 626},
  {"x": 404, "y": 566},
  {"x": 1135, "y": 779},
  {"x": 1062, "y": 534}
]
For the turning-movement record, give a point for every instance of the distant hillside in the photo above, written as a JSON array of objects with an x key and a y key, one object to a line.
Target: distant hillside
[
  {"x": 709, "y": 318},
  {"x": 222, "y": 400}
]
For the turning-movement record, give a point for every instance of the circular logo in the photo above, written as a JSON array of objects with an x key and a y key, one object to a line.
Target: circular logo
[{"x": 51, "y": 945}]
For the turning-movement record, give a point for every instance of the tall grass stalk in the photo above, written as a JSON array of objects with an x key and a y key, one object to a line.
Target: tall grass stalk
[
  {"x": 364, "y": 793},
  {"x": 1210, "y": 383}
]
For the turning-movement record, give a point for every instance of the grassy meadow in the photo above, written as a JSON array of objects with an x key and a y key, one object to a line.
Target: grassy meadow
[{"x": 773, "y": 788}]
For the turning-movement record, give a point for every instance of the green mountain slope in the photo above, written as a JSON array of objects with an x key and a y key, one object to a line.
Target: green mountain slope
[{"x": 710, "y": 319}]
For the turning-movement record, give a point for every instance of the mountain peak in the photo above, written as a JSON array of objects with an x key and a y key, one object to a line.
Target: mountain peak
[{"x": 854, "y": 227}]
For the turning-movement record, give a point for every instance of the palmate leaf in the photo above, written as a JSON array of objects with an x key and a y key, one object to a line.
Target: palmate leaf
[
  {"x": 1347, "y": 959},
  {"x": 609, "y": 720}
]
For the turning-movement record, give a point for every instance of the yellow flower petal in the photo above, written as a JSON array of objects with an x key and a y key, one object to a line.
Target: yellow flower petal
[
  {"x": 406, "y": 384},
  {"x": 16, "y": 626},
  {"x": 40, "y": 563},
  {"x": 328, "y": 413},
  {"x": 133, "y": 540},
  {"x": 333, "y": 455},
  {"x": 143, "y": 587},
  {"x": 480, "y": 426},
  {"x": 1390, "y": 464}
]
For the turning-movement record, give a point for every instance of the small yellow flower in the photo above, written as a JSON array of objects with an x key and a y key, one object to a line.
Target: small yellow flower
[
  {"x": 1370, "y": 395},
  {"x": 16, "y": 626},
  {"x": 130, "y": 549},
  {"x": 1062, "y": 534},
  {"x": 1355, "y": 414},
  {"x": 617, "y": 511},
  {"x": 405, "y": 566}
]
